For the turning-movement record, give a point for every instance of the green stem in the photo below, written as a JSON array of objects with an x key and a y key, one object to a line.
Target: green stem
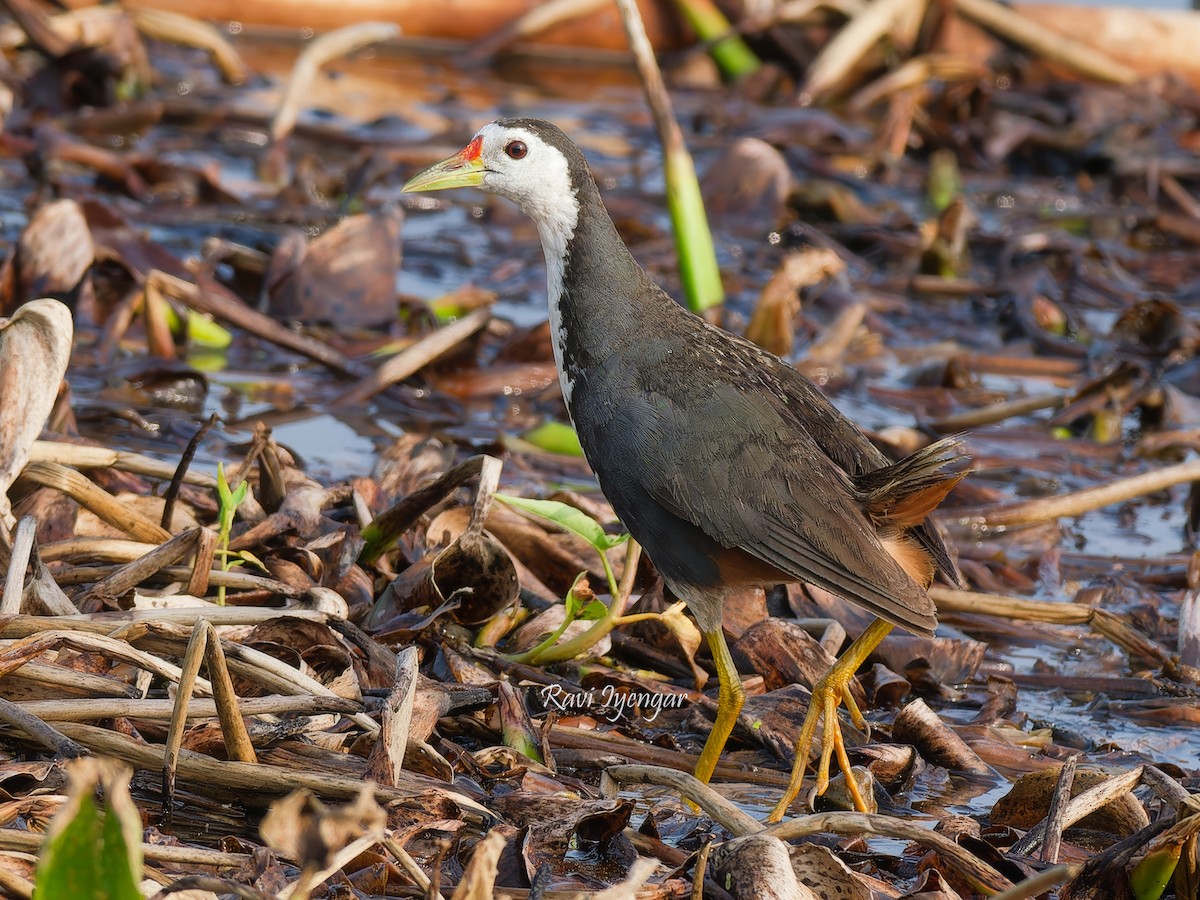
[
  {"x": 731, "y": 54},
  {"x": 600, "y": 629}
]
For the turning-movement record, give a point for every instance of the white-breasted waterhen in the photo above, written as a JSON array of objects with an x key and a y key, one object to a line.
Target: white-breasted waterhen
[{"x": 727, "y": 465}]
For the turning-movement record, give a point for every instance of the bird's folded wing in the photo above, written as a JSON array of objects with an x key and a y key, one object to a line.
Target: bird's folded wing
[{"x": 796, "y": 516}]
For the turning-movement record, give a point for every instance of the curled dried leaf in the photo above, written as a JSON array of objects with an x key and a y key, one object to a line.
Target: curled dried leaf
[{"x": 35, "y": 347}]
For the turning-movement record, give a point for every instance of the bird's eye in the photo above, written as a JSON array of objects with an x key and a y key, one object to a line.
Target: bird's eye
[{"x": 516, "y": 149}]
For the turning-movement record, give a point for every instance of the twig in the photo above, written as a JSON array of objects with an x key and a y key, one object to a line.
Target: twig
[
  {"x": 38, "y": 731},
  {"x": 538, "y": 19},
  {"x": 328, "y": 47},
  {"x": 722, "y": 811},
  {"x": 1048, "y": 509},
  {"x": 982, "y": 876},
  {"x": 418, "y": 356},
  {"x": 1058, "y": 807},
  {"x": 181, "y": 470},
  {"x": 169, "y": 26},
  {"x": 840, "y": 55},
  {"x": 1081, "y": 805}
]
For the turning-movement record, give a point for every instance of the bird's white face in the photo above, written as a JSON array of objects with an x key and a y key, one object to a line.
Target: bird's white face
[
  {"x": 521, "y": 166},
  {"x": 517, "y": 163},
  {"x": 513, "y": 162}
]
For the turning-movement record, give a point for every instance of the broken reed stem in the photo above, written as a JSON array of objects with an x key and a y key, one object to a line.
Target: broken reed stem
[
  {"x": 412, "y": 360},
  {"x": 697, "y": 257},
  {"x": 982, "y": 876},
  {"x": 1051, "y": 45},
  {"x": 723, "y": 811},
  {"x": 328, "y": 47},
  {"x": 1048, "y": 509}
]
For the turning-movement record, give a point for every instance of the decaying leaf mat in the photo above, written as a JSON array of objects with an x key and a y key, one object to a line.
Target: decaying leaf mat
[{"x": 948, "y": 246}]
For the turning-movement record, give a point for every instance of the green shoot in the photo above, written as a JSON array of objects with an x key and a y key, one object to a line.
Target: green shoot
[
  {"x": 728, "y": 50},
  {"x": 228, "y": 501},
  {"x": 697, "y": 257}
]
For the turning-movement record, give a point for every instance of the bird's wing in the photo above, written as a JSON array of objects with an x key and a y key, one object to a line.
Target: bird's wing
[
  {"x": 752, "y": 480},
  {"x": 838, "y": 438}
]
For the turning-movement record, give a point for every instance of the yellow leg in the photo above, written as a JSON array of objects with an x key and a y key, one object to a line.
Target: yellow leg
[
  {"x": 832, "y": 689},
  {"x": 730, "y": 698}
]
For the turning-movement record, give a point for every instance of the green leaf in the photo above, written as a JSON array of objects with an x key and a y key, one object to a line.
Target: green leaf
[
  {"x": 205, "y": 332},
  {"x": 1150, "y": 877},
  {"x": 223, "y": 492},
  {"x": 555, "y": 437},
  {"x": 593, "y": 612},
  {"x": 240, "y": 494},
  {"x": 945, "y": 182},
  {"x": 116, "y": 879},
  {"x": 248, "y": 557},
  {"x": 87, "y": 860},
  {"x": 69, "y": 864},
  {"x": 567, "y": 517}
]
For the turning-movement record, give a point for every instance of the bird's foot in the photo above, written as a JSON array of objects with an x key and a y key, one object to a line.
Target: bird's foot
[{"x": 831, "y": 690}]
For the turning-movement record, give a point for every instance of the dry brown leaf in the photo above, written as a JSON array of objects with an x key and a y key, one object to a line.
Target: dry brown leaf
[
  {"x": 302, "y": 828},
  {"x": 35, "y": 347},
  {"x": 479, "y": 879}
]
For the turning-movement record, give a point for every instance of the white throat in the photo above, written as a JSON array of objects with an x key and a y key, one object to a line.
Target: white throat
[
  {"x": 541, "y": 185},
  {"x": 554, "y": 247}
]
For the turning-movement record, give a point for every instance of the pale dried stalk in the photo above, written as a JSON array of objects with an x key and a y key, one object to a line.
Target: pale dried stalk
[
  {"x": 29, "y": 842},
  {"x": 38, "y": 732},
  {"x": 538, "y": 19},
  {"x": 262, "y": 668},
  {"x": 397, "y": 713},
  {"x": 240, "y": 581},
  {"x": 233, "y": 726},
  {"x": 307, "y": 880},
  {"x": 183, "y": 695},
  {"x": 91, "y": 496},
  {"x": 65, "y": 680},
  {"x": 107, "y": 622},
  {"x": 78, "y": 456},
  {"x": 724, "y": 812},
  {"x": 328, "y": 47},
  {"x": 145, "y": 566},
  {"x": 180, "y": 29},
  {"x": 1039, "y": 884},
  {"x": 15, "y": 885},
  {"x": 1049, "y": 509},
  {"x": 18, "y": 562},
  {"x": 1021, "y": 609},
  {"x": 981, "y": 876},
  {"x": 1052, "y": 45},
  {"x": 41, "y": 586},
  {"x": 89, "y": 709},
  {"x": 410, "y": 867},
  {"x": 20, "y": 653},
  {"x": 418, "y": 356},
  {"x": 840, "y": 55},
  {"x": 916, "y": 73},
  {"x": 1080, "y": 806},
  {"x": 1058, "y": 807},
  {"x": 257, "y": 778}
]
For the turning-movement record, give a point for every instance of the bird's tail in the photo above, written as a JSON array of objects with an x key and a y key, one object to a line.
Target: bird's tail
[{"x": 905, "y": 493}]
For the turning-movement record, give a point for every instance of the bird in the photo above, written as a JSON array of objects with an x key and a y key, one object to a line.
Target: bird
[{"x": 726, "y": 464}]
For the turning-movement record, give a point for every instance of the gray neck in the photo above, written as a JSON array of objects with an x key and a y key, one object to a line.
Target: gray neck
[{"x": 598, "y": 294}]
